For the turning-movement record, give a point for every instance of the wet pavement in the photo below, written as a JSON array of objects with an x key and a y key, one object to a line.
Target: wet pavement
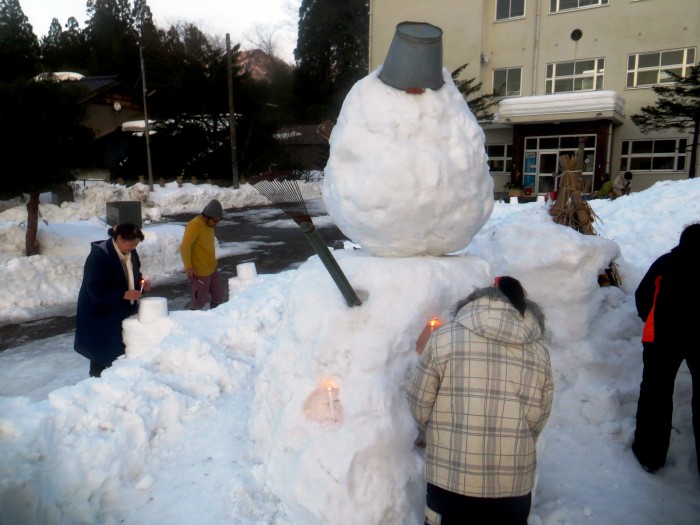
[{"x": 275, "y": 244}]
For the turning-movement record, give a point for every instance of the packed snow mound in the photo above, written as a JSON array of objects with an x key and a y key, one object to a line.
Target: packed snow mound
[
  {"x": 407, "y": 174},
  {"x": 330, "y": 415}
]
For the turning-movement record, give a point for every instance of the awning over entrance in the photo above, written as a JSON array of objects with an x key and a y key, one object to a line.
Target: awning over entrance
[{"x": 562, "y": 107}]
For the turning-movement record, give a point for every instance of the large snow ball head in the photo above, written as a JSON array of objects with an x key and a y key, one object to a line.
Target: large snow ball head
[{"x": 407, "y": 174}]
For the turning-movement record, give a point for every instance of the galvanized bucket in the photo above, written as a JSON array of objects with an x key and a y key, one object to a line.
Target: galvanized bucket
[{"x": 414, "y": 61}]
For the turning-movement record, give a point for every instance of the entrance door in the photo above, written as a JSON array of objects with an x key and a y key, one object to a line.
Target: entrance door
[{"x": 547, "y": 162}]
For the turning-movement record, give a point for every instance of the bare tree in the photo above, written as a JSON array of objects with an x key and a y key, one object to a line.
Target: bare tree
[{"x": 264, "y": 37}]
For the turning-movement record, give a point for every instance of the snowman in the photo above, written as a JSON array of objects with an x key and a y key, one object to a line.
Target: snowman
[
  {"x": 407, "y": 173},
  {"x": 408, "y": 181}
]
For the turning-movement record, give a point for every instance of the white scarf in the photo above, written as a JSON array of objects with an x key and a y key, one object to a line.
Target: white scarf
[{"x": 125, "y": 259}]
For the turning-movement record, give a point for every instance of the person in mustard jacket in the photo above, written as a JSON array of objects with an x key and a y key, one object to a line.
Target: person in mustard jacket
[
  {"x": 198, "y": 251},
  {"x": 666, "y": 301},
  {"x": 483, "y": 392}
]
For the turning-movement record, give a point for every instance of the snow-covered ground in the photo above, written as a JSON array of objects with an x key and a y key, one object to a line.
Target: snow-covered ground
[
  {"x": 285, "y": 406},
  {"x": 48, "y": 284}
]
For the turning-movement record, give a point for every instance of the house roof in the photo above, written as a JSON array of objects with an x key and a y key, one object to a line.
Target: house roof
[
  {"x": 93, "y": 85},
  {"x": 96, "y": 85}
]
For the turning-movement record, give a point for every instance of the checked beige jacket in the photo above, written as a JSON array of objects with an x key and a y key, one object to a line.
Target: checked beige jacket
[{"x": 483, "y": 391}]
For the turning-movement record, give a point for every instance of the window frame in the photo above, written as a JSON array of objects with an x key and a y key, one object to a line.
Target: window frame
[
  {"x": 508, "y": 71},
  {"x": 506, "y": 159},
  {"x": 510, "y": 16},
  {"x": 550, "y": 82},
  {"x": 634, "y": 70},
  {"x": 630, "y": 160},
  {"x": 555, "y": 5}
]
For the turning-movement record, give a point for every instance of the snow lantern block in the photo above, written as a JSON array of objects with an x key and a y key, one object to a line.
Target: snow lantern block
[
  {"x": 119, "y": 212},
  {"x": 152, "y": 309}
]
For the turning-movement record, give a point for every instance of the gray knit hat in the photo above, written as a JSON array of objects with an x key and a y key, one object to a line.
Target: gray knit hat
[{"x": 213, "y": 209}]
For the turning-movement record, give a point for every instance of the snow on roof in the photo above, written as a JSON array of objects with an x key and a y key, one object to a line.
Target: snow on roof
[
  {"x": 581, "y": 105},
  {"x": 138, "y": 126},
  {"x": 59, "y": 76}
]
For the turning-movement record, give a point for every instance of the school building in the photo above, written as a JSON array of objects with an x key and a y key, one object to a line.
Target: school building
[{"x": 563, "y": 70}]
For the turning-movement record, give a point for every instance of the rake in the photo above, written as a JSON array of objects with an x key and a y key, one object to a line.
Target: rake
[{"x": 286, "y": 195}]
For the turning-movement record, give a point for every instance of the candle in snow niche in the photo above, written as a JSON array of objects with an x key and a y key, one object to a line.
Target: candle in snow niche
[
  {"x": 330, "y": 402},
  {"x": 323, "y": 404}
]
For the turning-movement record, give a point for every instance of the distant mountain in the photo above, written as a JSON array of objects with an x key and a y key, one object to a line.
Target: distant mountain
[{"x": 260, "y": 65}]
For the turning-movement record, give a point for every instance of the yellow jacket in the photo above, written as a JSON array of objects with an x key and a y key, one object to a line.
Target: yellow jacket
[{"x": 198, "y": 247}]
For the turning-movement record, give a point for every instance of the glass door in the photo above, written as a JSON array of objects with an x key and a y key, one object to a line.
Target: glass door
[{"x": 547, "y": 171}]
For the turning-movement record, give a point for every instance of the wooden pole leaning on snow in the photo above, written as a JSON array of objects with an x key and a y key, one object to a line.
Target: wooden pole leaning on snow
[{"x": 286, "y": 195}]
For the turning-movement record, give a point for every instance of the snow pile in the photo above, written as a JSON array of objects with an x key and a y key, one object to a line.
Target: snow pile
[
  {"x": 330, "y": 413},
  {"x": 220, "y": 417}
]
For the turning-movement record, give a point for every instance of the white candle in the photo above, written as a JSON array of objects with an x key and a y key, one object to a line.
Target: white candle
[{"x": 330, "y": 403}]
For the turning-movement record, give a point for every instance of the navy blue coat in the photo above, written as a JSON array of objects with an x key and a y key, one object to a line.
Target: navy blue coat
[{"x": 101, "y": 306}]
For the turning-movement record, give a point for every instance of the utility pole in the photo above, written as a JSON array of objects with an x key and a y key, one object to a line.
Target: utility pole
[
  {"x": 145, "y": 116},
  {"x": 231, "y": 114}
]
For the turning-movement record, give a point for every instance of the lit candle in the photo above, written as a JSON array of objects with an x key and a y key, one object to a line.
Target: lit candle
[
  {"x": 428, "y": 329},
  {"x": 330, "y": 402},
  {"x": 141, "y": 289}
]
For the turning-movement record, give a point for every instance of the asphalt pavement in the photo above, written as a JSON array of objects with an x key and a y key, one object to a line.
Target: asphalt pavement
[{"x": 277, "y": 247}]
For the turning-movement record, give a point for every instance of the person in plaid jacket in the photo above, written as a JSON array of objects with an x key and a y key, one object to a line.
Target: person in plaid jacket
[{"x": 483, "y": 392}]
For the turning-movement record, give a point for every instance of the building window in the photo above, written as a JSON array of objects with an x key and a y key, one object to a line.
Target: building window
[
  {"x": 653, "y": 155},
  {"x": 506, "y": 82},
  {"x": 578, "y": 75},
  {"x": 556, "y": 6},
  {"x": 500, "y": 157},
  {"x": 649, "y": 69},
  {"x": 506, "y": 9}
]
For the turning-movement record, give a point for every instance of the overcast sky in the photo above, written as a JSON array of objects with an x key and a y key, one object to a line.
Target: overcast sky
[{"x": 214, "y": 17}]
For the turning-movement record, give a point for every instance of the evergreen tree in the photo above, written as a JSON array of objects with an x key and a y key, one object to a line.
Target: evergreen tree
[
  {"x": 64, "y": 50},
  {"x": 112, "y": 39},
  {"x": 41, "y": 139},
  {"x": 479, "y": 105},
  {"x": 677, "y": 107},
  {"x": 331, "y": 54},
  {"x": 19, "y": 47}
]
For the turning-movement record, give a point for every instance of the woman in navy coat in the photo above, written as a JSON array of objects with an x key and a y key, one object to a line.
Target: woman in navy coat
[{"x": 109, "y": 294}]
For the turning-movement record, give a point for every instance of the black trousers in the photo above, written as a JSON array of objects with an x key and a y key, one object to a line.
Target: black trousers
[
  {"x": 456, "y": 509},
  {"x": 655, "y": 406},
  {"x": 96, "y": 369}
]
